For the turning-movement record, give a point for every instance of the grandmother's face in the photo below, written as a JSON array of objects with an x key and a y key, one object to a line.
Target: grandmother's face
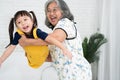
[{"x": 54, "y": 13}]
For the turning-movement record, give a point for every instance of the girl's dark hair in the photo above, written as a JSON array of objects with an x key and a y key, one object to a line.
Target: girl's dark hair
[
  {"x": 16, "y": 16},
  {"x": 64, "y": 9}
]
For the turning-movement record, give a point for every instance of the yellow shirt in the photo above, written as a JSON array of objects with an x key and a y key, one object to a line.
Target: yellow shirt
[{"x": 36, "y": 55}]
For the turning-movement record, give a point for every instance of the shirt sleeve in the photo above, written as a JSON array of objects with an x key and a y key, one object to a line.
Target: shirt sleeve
[
  {"x": 41, "y": 34},
  {"x": 68, "y": 27},
  {"x": 16, "y": 38}
]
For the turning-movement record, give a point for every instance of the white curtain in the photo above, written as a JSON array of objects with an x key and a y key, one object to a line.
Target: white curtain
[{"x": 109, "y": 64}]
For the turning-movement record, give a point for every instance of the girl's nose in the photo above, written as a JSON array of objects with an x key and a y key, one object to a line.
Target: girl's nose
[{"x": 23, "y": 23}]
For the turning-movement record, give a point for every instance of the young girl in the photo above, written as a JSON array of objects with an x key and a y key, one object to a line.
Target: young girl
[{"x": 27, "y": 25}]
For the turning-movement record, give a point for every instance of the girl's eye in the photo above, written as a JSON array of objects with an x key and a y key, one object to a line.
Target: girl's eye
[
  {"x": 18, "y": 22},
  {"x": 25, "y": 19}
]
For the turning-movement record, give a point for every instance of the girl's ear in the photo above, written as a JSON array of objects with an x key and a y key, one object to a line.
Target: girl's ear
[{"x": 32, "y": 21}]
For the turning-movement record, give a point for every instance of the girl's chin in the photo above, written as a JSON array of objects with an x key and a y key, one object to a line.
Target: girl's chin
[{"x": 27, "y": 32}]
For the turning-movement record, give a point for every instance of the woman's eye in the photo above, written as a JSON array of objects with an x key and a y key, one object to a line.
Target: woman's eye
[
  {"x": 48, "y": 11},
  {"x": 54, "y": 10}
]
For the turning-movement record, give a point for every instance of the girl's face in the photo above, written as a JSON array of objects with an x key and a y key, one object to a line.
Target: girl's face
[
  {"x": 54, "y": 13},
  {"x": 24, "y": 23}
]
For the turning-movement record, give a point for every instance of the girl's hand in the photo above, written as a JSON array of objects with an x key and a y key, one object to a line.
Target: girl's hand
[
  {"x": 68, "y": 54},
  {"x": 0, "y": 61}
]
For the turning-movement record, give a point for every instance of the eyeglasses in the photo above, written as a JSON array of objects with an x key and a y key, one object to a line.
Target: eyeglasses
[{"x": 54, "y": 10}]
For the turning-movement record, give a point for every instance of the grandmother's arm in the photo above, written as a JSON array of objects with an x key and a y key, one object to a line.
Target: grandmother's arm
[{"x": 23, "y": 41}]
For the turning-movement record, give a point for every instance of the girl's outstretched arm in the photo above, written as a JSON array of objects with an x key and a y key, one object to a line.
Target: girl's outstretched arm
[{"x": 7, "y": 53}]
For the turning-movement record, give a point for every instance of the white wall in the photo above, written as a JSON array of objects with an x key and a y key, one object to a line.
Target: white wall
[{"x": 16, "y": 67}]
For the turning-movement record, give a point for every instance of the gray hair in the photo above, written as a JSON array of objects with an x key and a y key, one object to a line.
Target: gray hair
[{"x": 64, "y": 8}]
